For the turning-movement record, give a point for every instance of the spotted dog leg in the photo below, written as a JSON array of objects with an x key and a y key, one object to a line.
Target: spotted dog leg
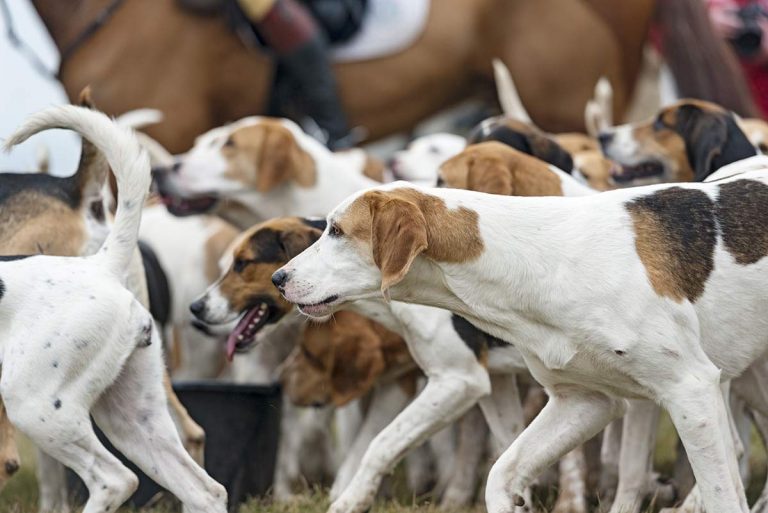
[{"x": 572, "y": 495}]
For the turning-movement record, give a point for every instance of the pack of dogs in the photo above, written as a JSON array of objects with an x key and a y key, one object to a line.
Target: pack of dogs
[{"x": 513, "y": 307}]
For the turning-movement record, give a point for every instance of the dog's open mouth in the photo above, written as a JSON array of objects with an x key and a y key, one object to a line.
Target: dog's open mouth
[
  {"x": 181, "y": 207},
  {"x": 646, "y": 169},
  {"x": 249, "y": 325},
  {"x": 321, "y": 309}
]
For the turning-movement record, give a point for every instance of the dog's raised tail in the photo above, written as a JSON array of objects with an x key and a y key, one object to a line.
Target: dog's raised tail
[{"x": 128, "y": 160}]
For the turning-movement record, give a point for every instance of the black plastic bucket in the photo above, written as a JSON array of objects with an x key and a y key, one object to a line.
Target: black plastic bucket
[{"x": 242, "y": 429}]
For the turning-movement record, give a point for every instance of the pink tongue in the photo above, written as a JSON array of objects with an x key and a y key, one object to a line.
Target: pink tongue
[{"x": 232, "y": 339}]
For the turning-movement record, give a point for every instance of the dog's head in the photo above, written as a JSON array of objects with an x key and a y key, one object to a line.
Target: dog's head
[
  {"x": 522, "y": 137},
  {"x": 254, "y": 156},
  {"x": 244, "y": 292},
  {"x": 496, "y": 168},
  {"x": 339, "y": 361},
  {"x": 423, "y": 156},
  {"x": 372, "y": 241},
  {"x": 685, "y": 142}
]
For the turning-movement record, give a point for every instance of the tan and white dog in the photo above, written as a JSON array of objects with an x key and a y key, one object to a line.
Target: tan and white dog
[
  {"x": 259, "y": 168},
  {"x": 95, "y": 350},
  {"x": 654, "y": 292}
]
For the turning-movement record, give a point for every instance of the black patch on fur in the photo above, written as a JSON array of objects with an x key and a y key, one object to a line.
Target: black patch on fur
[
  {"x": 157, "y": 285},
  {"x": 742, "y": 211},
  {"x": 712, "y": 139},
  {"x": 267, "y": 247},
  {"x": 478, "y": 341},
  {"x": 680, "y": 239},
  {"x": 319, "y": 224},
  {"x": 13, "y": 258},
  {"x": 57, "y": 403},
  {"x": 2, "y": 288},
  {"x": 66, "y": 190},
  {"x": 534, "y": 143}
]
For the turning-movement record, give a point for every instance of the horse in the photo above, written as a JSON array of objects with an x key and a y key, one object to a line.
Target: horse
[{"x": 153, "y": 53}]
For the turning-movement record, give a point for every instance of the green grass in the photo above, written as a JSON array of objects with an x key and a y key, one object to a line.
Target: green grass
[{"x": 20, "y": 495}]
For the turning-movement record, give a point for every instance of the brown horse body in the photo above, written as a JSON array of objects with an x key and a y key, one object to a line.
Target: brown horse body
[{"x": 150, "y": 53}]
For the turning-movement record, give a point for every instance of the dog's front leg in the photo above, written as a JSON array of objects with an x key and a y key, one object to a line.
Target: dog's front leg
[
  {"x": 388, "y": 400},
  {"x": 442, "y": 401},
  {"x": 134, "y": 415},
  {"x": 473, "y": 435},
  {"x": 635, "y": 460},
  {"x": 572, "y": 416}
]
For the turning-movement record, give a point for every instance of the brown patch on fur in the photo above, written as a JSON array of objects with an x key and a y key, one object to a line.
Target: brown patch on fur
[
  {"x": 757, "y": 132},
  {"x": 403, "y": 223},
  {"x": 267, "y": 155},
  {"x": 341, "y": 360},
  {"x": 597, "y": 169},
  {"x": 575, "y": 143},
  {"x": 743, "y": 217},
  {"x": 221, "y": 237},
  {"x": 496, "y": 168},
  {"x": 32, "y": 222},
  {"x": 374, "y": 169},
  {"x": 675, "y": 238}
]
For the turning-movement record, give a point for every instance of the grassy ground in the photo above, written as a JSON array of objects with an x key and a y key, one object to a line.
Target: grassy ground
[{"x": 20, "y": 496}]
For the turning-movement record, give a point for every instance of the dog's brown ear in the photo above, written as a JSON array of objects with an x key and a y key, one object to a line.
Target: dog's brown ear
[
  {"x": 491, "y": 176},
  {"x": 358, "y": 361},
  {"x": 296, "y": 241},
  {"x": 398, "y": 236},
  {"x": 281, "y": 159}
]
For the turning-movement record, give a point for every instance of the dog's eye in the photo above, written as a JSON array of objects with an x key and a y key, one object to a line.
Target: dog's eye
[
  {"x": 335, "y": 231},
  {"x": 658, "y": 124},
  {"x": 229, "y": 143},
  {"x": 239, "y": 264}
]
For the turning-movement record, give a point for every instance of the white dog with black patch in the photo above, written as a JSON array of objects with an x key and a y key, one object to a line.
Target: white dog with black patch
[{"x": 656, "y": 292}]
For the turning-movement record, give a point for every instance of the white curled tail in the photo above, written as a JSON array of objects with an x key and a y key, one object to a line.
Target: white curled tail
[{"x": 128, "y": 160}]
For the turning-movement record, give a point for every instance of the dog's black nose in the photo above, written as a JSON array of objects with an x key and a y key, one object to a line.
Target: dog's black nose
[
  {"x": 279, "y": 278},
  {"x": 11, "y": 467},
  {"x": 605, "y": 138},
  {"x": 197, "y": 308}
]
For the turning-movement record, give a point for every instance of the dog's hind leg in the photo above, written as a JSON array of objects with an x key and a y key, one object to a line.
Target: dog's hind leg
[
  {"x": 572, "y": 416},
  {"x": 71, "y": 440},
  {"x": 134, "y": 415},
  {"x": 194, "y": 436},
  {"x": 52, "y": 481},
  {"x": 9, "y": 452}
]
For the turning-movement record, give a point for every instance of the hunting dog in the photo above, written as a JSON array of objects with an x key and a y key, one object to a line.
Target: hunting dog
[
  {"x": 654, "y": 292},
  {"x": 684, "y": 142},
  {"x": 455, "y": 358},
  {"x": 259, "y": 168},
  {"x": 76, "y": 342}
]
